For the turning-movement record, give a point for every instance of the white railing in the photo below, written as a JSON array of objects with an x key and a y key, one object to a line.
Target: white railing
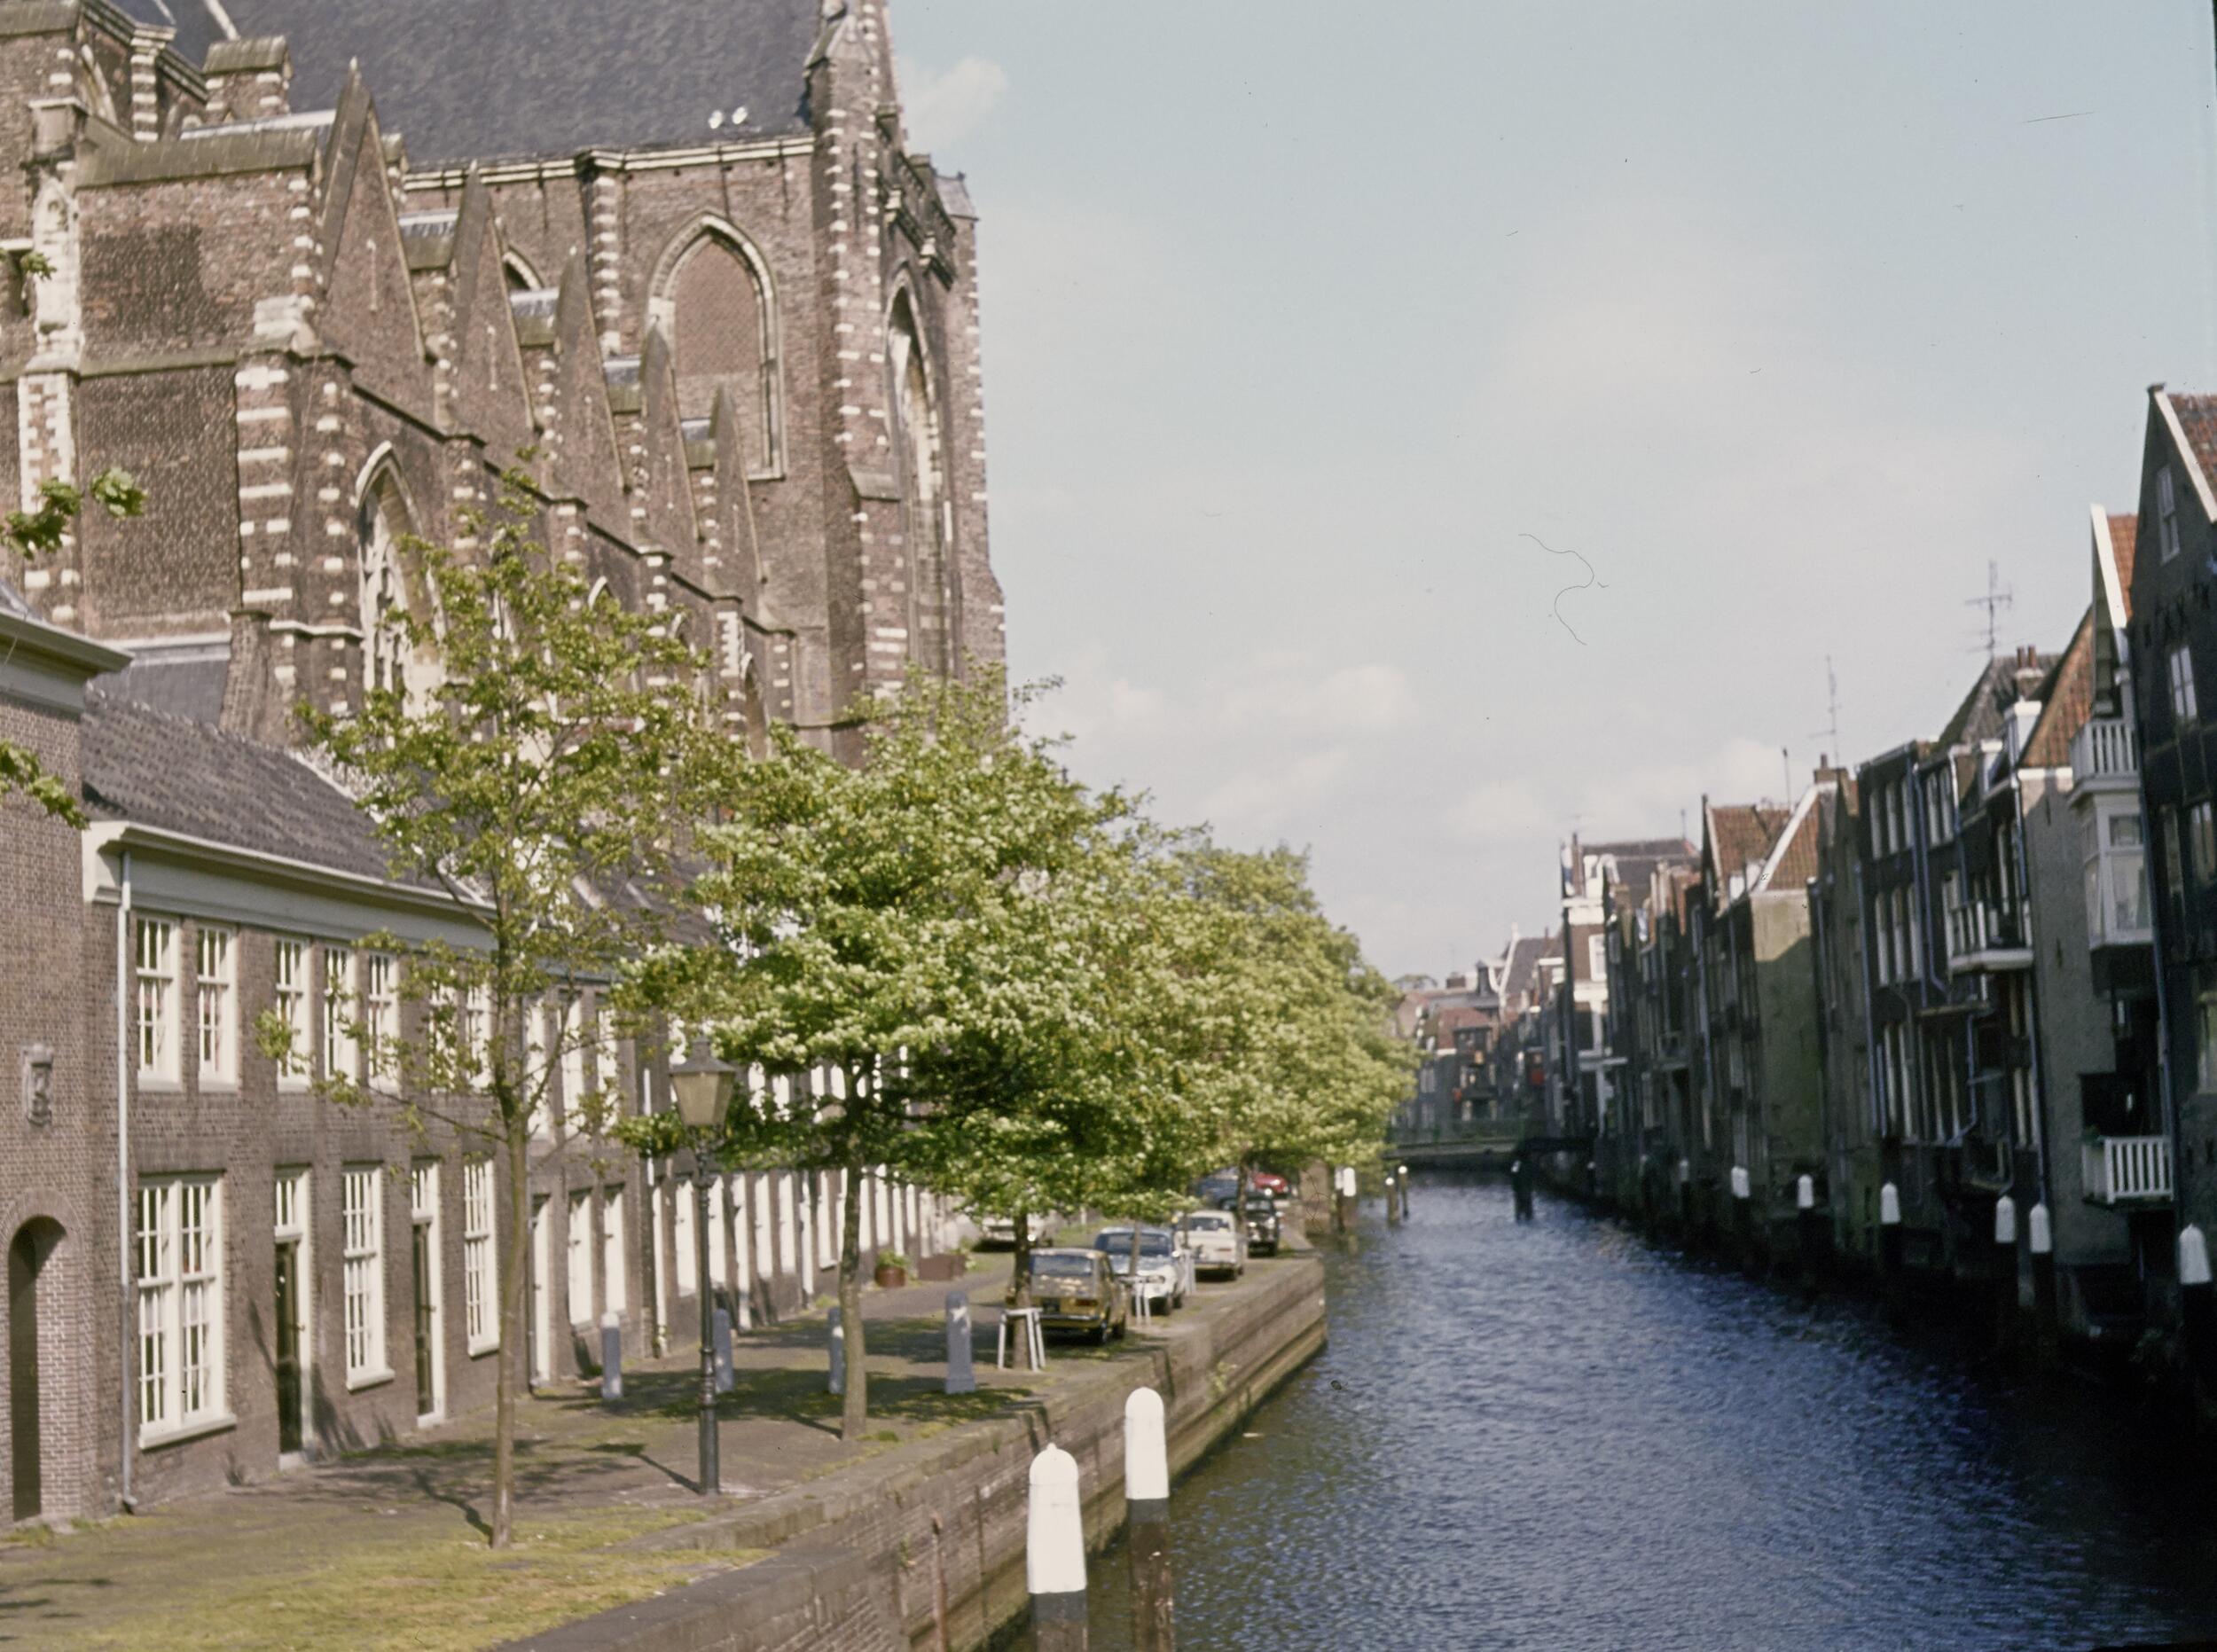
[
  {"x": 1975, "y": 928},
  {"x": 2127, "y": 1167},
  {"x": 2102, "y": 747}
]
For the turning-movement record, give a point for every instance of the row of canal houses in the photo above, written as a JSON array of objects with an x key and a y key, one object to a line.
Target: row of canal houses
[{"x": 1952, "y": 1012}]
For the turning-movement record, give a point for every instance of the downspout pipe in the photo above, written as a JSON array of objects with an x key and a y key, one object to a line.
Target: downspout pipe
[
  {"x": 2032, "y": 989},
  {"x": 125, "y": 1494}
]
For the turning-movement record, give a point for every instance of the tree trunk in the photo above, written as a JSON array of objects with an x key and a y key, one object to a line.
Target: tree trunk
[
  {"x": 1020, "y": 1278},
  {"x": 514, "y": 1343},
  {"x": 855, "y": 1414},
  {"x": 1239, "y": 1203},
  {"x": 1135, "y": 1265}
]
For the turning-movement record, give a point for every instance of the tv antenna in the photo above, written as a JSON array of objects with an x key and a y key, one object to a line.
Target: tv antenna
[
  {"x": 1831, "y": 733},
  {"x": 1998, "y": 598}
]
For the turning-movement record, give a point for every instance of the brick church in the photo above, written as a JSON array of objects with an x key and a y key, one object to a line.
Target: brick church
[{"x": 316, "y": 272}]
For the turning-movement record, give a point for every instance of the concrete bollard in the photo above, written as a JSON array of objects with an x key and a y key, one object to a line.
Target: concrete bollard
[
  {"x": 2040, "y": 1241},
  {"x": 1147, "y": 1513},
  {"x": 2005, "y": 1260},
  {"x": 1889, "y": 1245},
  {"x": 1055, "y": 1553},
  {"x": 961, "y": 1369},
  {"x": 1742, "y": 1216},
  {"x": 1345, "y": 1205},
  {"x": 2198, "y": 1300},
  {"x": 724, "y": 1379},
  {"x": 837, "y": 1379},
  {"x": 1809, "y": 1227},
  {"x": 611, "y": 1355}
]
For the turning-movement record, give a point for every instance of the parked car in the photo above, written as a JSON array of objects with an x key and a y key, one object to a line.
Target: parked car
[
  {"x": 1165, "y": 1266},
  {"x": 1217, "y": 1186},
  {"x": 1076, "y": 1290},
  {"x": 999, "y": 1232},
  {"x": 1274, "y": 1184},
  {"x": 1264, "y": 1229},
  {"x": 1217, "y": 1244}
]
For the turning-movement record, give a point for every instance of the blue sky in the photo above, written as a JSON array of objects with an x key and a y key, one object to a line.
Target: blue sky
[{"x": 1300, "y": 316}]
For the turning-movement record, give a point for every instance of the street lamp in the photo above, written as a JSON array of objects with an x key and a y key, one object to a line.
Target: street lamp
[{"x": 702, "y": 1086}]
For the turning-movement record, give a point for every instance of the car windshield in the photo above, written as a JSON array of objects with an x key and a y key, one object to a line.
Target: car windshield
[
  {"x": 1117, "y": 1243},
  {"x": 1062, "y": 1267},
  {"x": 1209, "y": 1224}
]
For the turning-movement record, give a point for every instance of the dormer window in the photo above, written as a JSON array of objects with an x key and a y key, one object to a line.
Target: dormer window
[{"x": 2166, "y": 513}]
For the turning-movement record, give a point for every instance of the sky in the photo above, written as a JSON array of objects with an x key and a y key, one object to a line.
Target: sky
[{"x": 1414, "y": 433}]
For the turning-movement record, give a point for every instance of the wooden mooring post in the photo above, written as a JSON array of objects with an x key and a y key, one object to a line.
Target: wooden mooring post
[
  {"x": 1147, "y": 1513},
  {"x": 1054, "y": 1553}
]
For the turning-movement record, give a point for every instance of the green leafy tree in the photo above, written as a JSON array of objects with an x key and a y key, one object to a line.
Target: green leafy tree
[
  {"x": 37, "y": 532},
  {"x": 862, "y": 921},
  {"x": 544, "y": 778}
]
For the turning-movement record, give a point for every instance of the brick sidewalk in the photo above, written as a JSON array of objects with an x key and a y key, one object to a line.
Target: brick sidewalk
[{"x": 387, "y": 1547}]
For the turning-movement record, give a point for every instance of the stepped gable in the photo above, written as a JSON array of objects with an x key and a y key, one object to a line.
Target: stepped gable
[{"x": 464, "y": 79}]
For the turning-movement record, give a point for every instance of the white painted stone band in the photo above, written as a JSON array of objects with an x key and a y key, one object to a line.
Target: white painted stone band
[
  {"x": 1146, "y": 1447},
  {"x": 1054, "y": 1540}
]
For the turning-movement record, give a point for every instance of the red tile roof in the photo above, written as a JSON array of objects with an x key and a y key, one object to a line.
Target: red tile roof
[
  {"x": 1740, "y": 834},
  {"x": 2197, "y": 417},
  {"x": 2124, "y": 534},
  {"x": 1798, "y": 862},
  {"x": 2067, "y": 703}
]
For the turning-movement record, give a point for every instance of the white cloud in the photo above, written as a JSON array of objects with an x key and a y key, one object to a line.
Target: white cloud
[
  {"x": 944, "y": 106},
  {"x": 1500, "y": 811},
  {"x": 1265, "y": 800}
]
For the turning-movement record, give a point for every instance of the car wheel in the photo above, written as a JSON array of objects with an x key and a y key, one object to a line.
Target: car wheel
[{"x": 1101, "y": 1335}]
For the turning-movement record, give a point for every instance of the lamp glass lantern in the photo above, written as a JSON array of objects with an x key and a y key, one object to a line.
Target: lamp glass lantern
[{"x": 702, "y": 1086}]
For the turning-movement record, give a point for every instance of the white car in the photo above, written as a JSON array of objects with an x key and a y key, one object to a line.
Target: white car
[
  {"x": 999, "y": 1232},
  {"x": 1216, "y": 1244},
  {"x": 1165, "y": 1266}
]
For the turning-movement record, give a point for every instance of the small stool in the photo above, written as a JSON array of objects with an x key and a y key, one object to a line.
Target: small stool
[{"x": 1034, "y": 1342}]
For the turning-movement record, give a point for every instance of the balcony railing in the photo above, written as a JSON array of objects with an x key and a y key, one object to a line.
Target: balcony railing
[
  {"x": 1980, "y": 936},
  {"x": 2103, "y": 749},
  {"x": 2124, "y": 1169}
]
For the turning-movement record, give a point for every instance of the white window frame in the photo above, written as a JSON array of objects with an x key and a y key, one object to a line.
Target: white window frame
[
  {"x": 154, "y": 1013},
  {"x": 481, "y": 1269},
  {"x": 423, "y": 1211},
  {"x": 577, "y": 1246},
  {"x": 571, "y": 1031},
  {"x": 615, "y": 1297},
  {"x": 342, "y": 1056},
  {"x": 361, "y": 1248},
  {"x": 683, "y": 1243},
  {"x": 2167, "y": 513},
  {"x": 2184, "y": 707},
  {"x": 289, "y": 998},
  {"x": 215, "y": 1004},
  {"x": 179, "y": 1244},
  {"x": 381, "y": 1017},
  {"x": 294, "y": 1218},
  {"x": 477, "y": 1032}
]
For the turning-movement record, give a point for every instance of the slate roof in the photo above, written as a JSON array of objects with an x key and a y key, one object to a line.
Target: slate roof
[
  {"x": 489, "y": 79},
  {"x": 2067, "y": 700},
  {"x": 1525, "y": 954},
  {"x": 155, "y": 769},
  {"x": 184, "y": 682},
  {"x": 1981, "y": 714}
]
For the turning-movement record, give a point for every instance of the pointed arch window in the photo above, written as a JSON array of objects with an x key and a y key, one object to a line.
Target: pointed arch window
[
  {"x": 713, "y": 298},
  {"x": 393, "y": 592},
  {"x": 934, "y": 600}
]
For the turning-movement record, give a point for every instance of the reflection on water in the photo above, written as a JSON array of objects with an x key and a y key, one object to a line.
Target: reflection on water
[{"x": 1555, "y": 1436}]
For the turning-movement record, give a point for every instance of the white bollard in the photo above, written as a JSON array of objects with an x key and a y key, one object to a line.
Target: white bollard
[
  {"x": 1806, "y": 1193},
  {"x": 2193, "y": 1257},
  {"x": 611, "y": 1355},
  {"x": 1740, "y": 1188},
  {"x": 2005, "y": 1220},
  {"x": 961, "y": 1371},
  {"x": 1147, "y": 1525},
  {"x": 1055, "y": 1551},
  {"x": 1889, "y": 1206},
  {"x": 724, "y": 1379},
  {"x": 2038, "y": 1233},
  {"x": 837, "y": 1383}
]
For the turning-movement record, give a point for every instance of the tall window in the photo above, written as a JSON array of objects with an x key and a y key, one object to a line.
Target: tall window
[
  {"x": 477, "y": 1033},
  {"x": 580, "y": 1259},
  {"x": 612, "y": 1248},
  {"x": 2166, "y": 513},
  {"x": 156, "y": 940},
  {"x": 362, "y": 1220},
  {"x": 392, "y": 659},
  {"x": 180, "y": 1245},
  {"x": 216, "y": 1004},
  {"x": 681, "y": 1240},
  {"x": 2203, "y": 822},
  {"x": 2207, "y": 1043},
  {"x": 573, "y": 1038},
  {"x": 291, "y": 1007},
  {"x": 2183, "y": 706},
  {"x": 339, "y": 1046},
  {"x": 481, "y": 1279},
  {"x": 380, "y": 1013},
  {"x": 606, "y": 1073}
]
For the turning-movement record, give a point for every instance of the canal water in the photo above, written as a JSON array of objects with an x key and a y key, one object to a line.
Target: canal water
[{"x": 1559, "y": 1436}]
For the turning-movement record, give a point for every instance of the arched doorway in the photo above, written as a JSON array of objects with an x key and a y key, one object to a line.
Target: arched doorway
[{"x": 30, "y": 1269}]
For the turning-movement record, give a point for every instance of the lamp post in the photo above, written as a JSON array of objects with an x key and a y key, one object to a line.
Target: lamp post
[{"x": 702, "y": 1086}]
